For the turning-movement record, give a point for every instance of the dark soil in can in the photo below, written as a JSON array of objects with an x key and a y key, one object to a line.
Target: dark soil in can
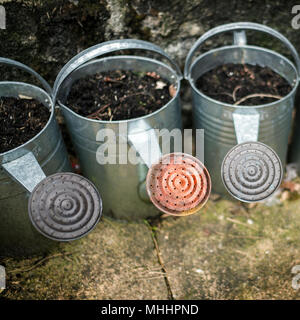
[
  {"x": 243, "y": 84},
  {"x": 20, "y": 120},
  {"x": 119, "y": 95}
]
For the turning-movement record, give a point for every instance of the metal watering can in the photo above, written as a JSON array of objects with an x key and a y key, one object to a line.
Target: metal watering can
[
  {"x": 123, "y": 186},
  {"x": 252, "y": 170},
  {"x": 61, "y": 207}
]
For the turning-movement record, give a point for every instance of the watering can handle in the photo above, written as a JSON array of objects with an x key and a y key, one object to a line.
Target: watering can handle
[
  {"x": 105, "y": 48},
  {"x": 239, "y": 38},
  {"x": 22, "y": 66}
]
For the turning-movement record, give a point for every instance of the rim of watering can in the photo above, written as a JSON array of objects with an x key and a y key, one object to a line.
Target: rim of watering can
[
  {"x": 47, "y": 91},
  {"x": 240, "y": 26},
  {"x": 133, "y": 119},
  {"x": 52, "y": 115},
  {"x": 103, "y": 49},
  {"x": 222, "y": 104}
]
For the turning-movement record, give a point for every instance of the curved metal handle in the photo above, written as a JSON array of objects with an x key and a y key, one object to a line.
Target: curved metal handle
[
  {"x": 237, "y": 26},
  {"x": 22, "y": 66},
  {"x": 102, "y": 49}
]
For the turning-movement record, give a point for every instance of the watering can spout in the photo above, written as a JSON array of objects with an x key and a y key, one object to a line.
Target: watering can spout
[
  {"x": 246, "y": 125},
  {"x": 62, "y": 207},
  {"x": 251, "y": 171},
  {"x": 176, "y": 183},
  {"x": 26, "y": 171}
]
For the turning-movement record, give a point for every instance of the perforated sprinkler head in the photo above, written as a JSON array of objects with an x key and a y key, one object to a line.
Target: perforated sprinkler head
[
  {"x": 251, "y": 171},
  {"x": 65, "y": 207},
  {"x": 179, "y": 184}
]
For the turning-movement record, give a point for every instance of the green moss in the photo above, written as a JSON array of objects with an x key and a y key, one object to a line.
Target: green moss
[
  {"x": 226, "y": 251},
  {"x": 114, "y": 261},
  {"x": 224, "y": 256}
]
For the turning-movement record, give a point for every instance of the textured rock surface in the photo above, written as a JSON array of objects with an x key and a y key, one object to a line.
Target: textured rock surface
[{"x": 46, "y": 34}]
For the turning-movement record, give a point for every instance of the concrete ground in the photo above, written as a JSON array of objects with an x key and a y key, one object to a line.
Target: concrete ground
[{"x": 226, "y": 251}]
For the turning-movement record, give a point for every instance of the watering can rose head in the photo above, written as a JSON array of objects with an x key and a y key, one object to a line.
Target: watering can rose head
[
  {"x": 251, "y": 171},
  {"x": 179, "y": 184}
]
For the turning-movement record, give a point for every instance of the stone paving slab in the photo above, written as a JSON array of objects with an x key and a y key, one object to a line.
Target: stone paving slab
[
  {"x": 227, "y": 251},
  {"x": 116, "y": 261},
  {"x": 230, "y": 252}
]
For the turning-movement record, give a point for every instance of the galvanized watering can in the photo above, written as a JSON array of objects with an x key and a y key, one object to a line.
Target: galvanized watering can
[
  {"x": 61, "y": 207},
  {"x": 123, "y": 185},
  {"x": 250, "y": 171}
]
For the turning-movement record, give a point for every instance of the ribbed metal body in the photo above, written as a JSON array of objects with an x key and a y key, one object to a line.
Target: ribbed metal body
[
  {"x": 120, "y": 185},
  {"x": 216, "y": 118},
  {"x": 17, "y": 235}
]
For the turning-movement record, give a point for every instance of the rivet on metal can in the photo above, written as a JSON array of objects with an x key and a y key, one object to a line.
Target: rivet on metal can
[
  {"x": 251, "y": 171},
  {"x": 179, "y": 184}
]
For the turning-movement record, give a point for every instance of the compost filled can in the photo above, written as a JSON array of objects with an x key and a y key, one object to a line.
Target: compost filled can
[
  {"x": 122, "y": 185},
  {"x": 225, "y": 124}
]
